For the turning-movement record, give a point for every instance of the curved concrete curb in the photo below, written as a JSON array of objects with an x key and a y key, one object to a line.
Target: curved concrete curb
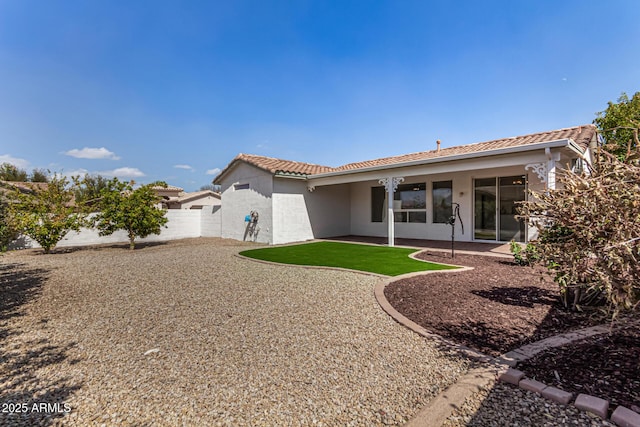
[{"x": 440, "y": 408}]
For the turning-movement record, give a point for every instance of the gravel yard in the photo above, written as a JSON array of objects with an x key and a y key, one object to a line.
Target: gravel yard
[{"x": 187, "y": 333}]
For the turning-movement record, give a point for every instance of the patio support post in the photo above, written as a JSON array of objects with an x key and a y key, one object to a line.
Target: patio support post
[
  {"x": 391, "y": 185},
  {"x": 552, "y": 158}
]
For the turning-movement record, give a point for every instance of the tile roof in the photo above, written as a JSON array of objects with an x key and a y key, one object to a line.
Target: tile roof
[
  {"x": 25, "y": 186},
  {"x": 276, "y": 166},
  {"x": 581, "y": 135},
  {"x": 168, "y": 187},
  {"x": 197, "y": 194}
]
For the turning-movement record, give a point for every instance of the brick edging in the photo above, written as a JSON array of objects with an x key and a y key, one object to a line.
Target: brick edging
[{"x": 621, "y": 416}]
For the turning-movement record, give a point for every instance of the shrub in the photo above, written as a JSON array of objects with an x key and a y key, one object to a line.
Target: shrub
[{"x": 589, "y": 232}]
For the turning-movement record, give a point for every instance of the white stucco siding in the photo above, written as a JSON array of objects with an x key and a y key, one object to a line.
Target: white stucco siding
[
  {"x": 237, "y": 202},
  {"x": 210, "y": 221},
  {"x": 299, "y": 214},
  {"x": 201, "y": 201},
  {"x": 290, "y": 219},
  {"x": 330, "y": 211}
]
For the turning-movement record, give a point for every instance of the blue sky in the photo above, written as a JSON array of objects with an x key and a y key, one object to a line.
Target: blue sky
[{"x": 168, "y": 90}]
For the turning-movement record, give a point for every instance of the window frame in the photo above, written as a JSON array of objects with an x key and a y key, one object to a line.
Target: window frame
[{"x": 436, "y": 215}]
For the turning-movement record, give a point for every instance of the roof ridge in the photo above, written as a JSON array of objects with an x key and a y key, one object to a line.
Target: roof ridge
[
  {"x": 281, "y": 160},
  {"x": 467, "y": 145}
]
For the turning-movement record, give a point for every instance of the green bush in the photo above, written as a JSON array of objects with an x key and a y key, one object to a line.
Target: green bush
[
  {"x": 589, "y": 232},
  {"x": 524, "y": 256}
]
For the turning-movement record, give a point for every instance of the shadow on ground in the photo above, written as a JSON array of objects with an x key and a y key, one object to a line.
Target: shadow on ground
[{"x": 22, "y": 355}]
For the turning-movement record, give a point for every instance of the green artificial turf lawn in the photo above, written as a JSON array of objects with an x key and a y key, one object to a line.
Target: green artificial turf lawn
[{"x": 374, "y": 259}]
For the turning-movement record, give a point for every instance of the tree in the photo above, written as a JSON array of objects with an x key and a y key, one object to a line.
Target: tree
[
  {"x": 618, "y": 125},
  {"x": 211, "y": 187},
  {"x": 87, "y": 190},
  {"x": 39, "y": 175},
  {"x": 9, "y": 172},
  {"x": 589, "y": 232},
  {"x": 45, "y": 212},
  {"x": 124, "y": 208},
  {"x": 8, "y": 232}
]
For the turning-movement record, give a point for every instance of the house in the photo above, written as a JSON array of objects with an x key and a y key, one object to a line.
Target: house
[
  {"x": 24, "y": 187},
  {"x": 176, "y": 198},
  {"x": 409, "y": 196}
]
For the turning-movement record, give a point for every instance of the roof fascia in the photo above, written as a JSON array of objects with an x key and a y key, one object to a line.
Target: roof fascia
[
  {"x": 508, "y": 150},
  {"x": 290, "y": 176}
]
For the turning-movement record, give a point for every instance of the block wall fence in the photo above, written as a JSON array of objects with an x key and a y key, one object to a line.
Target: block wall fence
[{"x": 182, "y": 224}]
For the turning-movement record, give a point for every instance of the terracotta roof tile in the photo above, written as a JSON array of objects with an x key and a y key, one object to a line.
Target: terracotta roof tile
[
  {"x": 196, "y": 194},
  {"x": 275, "y": 166},
  {"x": 581, "y": 135},
  {"x": 168, "y": 187}
]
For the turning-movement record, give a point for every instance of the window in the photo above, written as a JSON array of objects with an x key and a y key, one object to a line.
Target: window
[
  {"x": 377, "y": 204},
  {"x": 241, "y": 186},
  {"x": 442, "y": 192},
  {"x": 410, "y": 203}
]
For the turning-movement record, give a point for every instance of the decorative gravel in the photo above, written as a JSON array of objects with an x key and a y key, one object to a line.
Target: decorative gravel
[
  {"x": 510, "y": 406},
  {"x": 186, "y": 333}
]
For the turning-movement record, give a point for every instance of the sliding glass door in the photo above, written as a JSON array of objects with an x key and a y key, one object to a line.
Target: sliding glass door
[
  {"x": 485, "y": 209},
  {"x": 495, "y": 208}
]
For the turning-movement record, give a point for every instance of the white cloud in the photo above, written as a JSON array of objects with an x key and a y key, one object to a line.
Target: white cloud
[
  {"x": 186, "y": 167},
  {"x": 20, "y": 163},
  {"x": 125, "y": 172},
  {"x": 92, "y": 153},
  {"x": 214, "y": 171}
]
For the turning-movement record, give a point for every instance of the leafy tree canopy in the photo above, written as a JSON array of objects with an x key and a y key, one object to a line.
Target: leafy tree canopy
[
  {"x": 589, "y": 232},
  {"x": 8, "y": 232},
  {"x": 88, "y": 189},
  {"x": 39, "y": 175},
  {"x": 134, "y": 210},
  {"x": 619, "y": 124},
  {"x": 9, "y": 172},
  {"x": 211, "y": 187},
  {"x": 45, "y": 212}
]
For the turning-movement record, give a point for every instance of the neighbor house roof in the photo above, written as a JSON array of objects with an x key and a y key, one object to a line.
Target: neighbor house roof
[
  {"x": 168, "y": 187},
  {"x": 24, "y": 187},
  {"x": 580, "y": 135},
  {"x": 196, "y": 195}
]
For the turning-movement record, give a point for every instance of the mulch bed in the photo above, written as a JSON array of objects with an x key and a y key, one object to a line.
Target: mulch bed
[{"x": 500, "y": 306}]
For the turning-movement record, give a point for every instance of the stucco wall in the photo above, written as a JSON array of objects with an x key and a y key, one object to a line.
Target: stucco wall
[
  {"x": 210, "y": 224},
  {"x": 300, "y": 215},
  {"x": 202, "y": 201},
  {"x": 182, "y": 224},
  {"x": 237, "y": 203}
]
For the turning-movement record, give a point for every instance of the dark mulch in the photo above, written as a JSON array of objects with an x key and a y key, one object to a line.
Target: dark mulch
[
  {"x": 499, "y": 306},
  {"x": 608, "y": 367}
]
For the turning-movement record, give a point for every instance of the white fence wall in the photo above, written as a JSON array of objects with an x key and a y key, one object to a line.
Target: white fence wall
[
  {"x": 182, "y": 224},
  {"x": 210, "y": 223}
]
